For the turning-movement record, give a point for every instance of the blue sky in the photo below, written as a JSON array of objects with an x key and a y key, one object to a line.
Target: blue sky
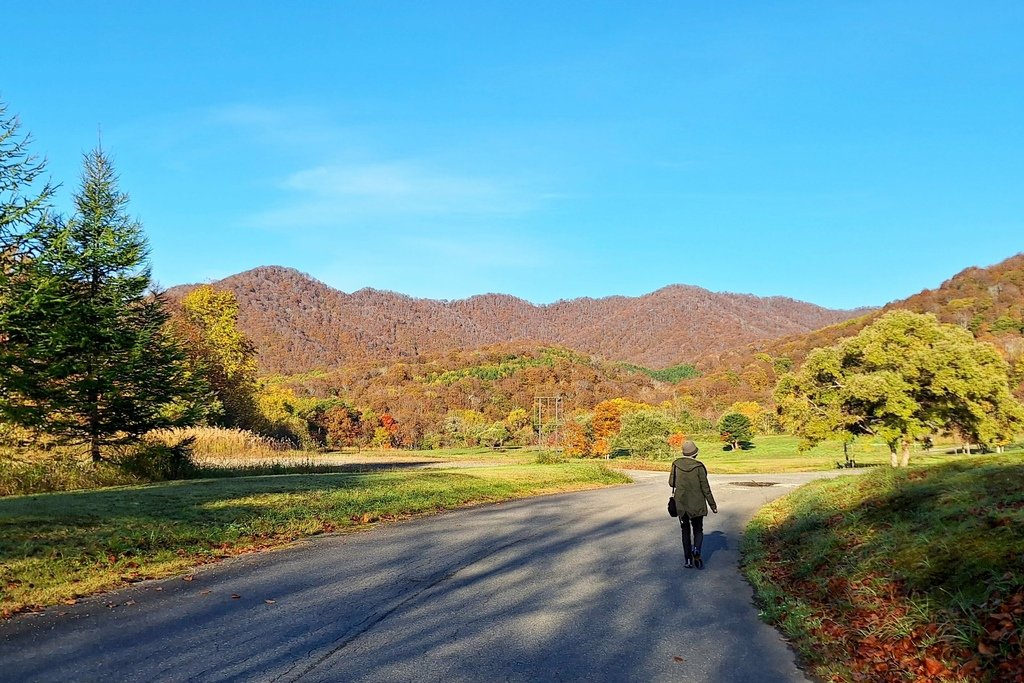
[{"x": 844, "y": 153}]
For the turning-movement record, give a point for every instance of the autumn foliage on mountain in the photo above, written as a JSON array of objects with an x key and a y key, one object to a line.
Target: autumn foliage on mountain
[
  {"x": 299, "y": 324},
  {"x": 422, "y": 361},
  {"x": 987, "y": 301},
  {"x": 454, "y": 398}
]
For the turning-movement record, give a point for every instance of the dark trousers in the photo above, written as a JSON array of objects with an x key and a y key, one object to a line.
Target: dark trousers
[{"x": 691, "y": 545}]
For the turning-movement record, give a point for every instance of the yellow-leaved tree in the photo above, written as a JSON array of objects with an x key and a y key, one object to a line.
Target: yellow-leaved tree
[{"x": 208, "y": 320}]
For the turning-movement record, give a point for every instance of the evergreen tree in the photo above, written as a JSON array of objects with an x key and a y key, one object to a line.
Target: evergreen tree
[
  {"x": 24, "y": 209},
  {"x": 734, "y": 428},
  {"x": 21, "y": 208},
  {"x": 89, "y": 357}
]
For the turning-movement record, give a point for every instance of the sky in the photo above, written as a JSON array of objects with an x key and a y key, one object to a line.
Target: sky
[{"x": 843, "y": 153}]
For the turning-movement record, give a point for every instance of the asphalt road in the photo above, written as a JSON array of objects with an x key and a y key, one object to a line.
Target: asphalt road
[{"x": 576, "y": 587}]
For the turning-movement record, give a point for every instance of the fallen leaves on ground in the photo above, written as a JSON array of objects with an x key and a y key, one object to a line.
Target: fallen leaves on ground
[{"x": 854, "y": 625}]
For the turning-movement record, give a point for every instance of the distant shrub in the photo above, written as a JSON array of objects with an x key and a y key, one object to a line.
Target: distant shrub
[
  {"x": 644, "y": 434},
  {"x": 551, "y": 457}
]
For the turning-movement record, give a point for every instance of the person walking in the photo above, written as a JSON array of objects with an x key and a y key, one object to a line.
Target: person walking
[{"x": 690, "y": 488}]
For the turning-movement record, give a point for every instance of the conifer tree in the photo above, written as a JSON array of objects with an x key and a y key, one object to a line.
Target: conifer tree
[
  {"x": 90, "y": 359},
  {"x": 21, "y": 207},
  {"x": 24, "y": 209}
]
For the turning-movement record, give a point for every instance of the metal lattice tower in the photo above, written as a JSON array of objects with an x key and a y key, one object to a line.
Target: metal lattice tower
[{"x": 549, "y": 420}]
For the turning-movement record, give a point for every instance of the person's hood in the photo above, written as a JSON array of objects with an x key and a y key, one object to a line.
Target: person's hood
[{"x": 688, "y": 464}]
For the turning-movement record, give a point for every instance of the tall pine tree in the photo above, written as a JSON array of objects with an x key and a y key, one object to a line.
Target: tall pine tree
[
  {"x": 22, "y": 207},
  {"x": 24, "y": 210},
  {"x": 90, "y": 359}
]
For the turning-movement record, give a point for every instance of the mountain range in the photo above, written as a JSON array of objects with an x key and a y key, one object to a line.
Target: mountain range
[{"x": 299, "y": 324}]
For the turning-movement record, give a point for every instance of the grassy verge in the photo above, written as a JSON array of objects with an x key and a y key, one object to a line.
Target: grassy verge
[
  {"x": 899, "y": 575},
  {"x": 57, "y": 472},
  {"x": 774, "y": 454},
  {"x": 58, "y": 546}
]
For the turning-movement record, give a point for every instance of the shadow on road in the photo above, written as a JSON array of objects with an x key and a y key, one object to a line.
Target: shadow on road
[
  {"x": 713, "y": 542},
  {"x": 581, "y": 587}
]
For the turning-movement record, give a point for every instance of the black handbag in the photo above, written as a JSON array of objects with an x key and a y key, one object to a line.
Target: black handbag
[{"x": 672, "y": 511}]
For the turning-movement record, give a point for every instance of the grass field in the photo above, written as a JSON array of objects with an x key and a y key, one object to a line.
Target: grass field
[
  {"x": 55, "y": 547},
  {"x": 771, "y": 454},
  {"x": 913, "y": 574}
]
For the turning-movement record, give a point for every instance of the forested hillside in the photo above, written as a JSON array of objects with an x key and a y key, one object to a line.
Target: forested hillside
[
  {"x": 441, "y": 396},
  {"x": 300, "y": 324},
  {"x": 987, "y": 301}
]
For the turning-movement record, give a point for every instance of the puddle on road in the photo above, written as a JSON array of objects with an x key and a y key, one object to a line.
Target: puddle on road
[{"x": 753, "y": 484}]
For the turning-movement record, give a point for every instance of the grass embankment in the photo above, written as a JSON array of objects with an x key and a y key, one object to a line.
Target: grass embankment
[
  {"x": 899, "y": 575},
  {"x": 58, "y": 546},
  {"x": 775, "y": 454}
]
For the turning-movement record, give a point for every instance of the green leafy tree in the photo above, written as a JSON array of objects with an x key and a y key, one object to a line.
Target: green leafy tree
[
  {"x": 734, "y": 428},
  {"x": 208, "y": 321},
  {"x": 495, "y": 434},
  {"x": 905, "y": 376},
  {"x": 87, "y": 356},
  {"x": 645, "y": 434}
]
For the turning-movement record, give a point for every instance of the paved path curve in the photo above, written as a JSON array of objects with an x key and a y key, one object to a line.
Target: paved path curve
[{"x": 576, "y": 587}]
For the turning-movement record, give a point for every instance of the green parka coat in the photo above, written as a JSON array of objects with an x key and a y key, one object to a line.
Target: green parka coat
[{"x": 689, "y": 481}]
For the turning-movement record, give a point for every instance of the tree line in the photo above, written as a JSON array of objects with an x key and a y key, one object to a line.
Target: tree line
[{"x": 90, "y": 354}]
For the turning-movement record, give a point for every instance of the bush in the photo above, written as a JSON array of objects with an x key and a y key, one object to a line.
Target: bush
[
  {"x": 160, "y": 461},
  {"x": 551, "y": 457}
]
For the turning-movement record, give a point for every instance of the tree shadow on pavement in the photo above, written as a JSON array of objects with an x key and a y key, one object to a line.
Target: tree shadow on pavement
[{"x": 560, "y": 588}]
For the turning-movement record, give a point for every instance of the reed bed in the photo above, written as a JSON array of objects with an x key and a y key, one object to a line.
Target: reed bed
[{"x": 222, "y": 442}]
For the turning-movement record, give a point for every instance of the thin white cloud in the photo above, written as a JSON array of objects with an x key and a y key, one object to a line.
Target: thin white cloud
[
  {"x": 497, "y": 251},
  {"x": 249, "y": 115},
  {"x": 331, "y": 194},
  {"x": 294, "y": 128}
]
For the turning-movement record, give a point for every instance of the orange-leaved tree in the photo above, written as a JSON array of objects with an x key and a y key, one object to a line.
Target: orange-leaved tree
[{"x": 607, "y": 421}]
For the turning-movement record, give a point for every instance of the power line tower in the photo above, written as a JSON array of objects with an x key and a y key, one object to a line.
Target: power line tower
[{"x": 548, "y": 410}]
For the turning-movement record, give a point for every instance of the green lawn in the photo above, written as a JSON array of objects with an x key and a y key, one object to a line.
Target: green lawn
[
  {"x": 899, "y": 574},
  {"x": 58, "y": 546},
  {"x": 772, "y": 454}
]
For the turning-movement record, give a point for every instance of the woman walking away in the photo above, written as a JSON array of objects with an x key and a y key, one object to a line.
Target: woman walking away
[{"x": 690, "y": 487}]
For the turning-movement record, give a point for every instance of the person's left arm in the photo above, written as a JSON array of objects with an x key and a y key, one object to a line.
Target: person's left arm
[{"x": 705, "y": 487}]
